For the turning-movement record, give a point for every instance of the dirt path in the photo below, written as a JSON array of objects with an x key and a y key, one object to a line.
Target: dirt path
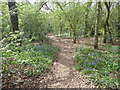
[{"x": 63, "y": 73}]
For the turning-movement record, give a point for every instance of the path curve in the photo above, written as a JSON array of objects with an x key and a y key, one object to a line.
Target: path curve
[{"x": 63, "y": 73}]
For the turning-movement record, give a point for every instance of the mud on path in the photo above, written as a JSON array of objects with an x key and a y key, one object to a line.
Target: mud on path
[{"x": 63, "y": 73}]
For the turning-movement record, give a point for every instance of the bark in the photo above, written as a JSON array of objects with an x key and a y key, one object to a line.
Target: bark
[
  {"x": 105, "y": 34},
  {"x": 106, "y": 24},
  {"x": 13, "y": 16},
  {"x": 60, "y": 25},
  {"x": 118, "y": 25},
  {"x": 74, "y": 36},
  {"x": 61, "y": 29},
  {"x": 85, "y": 29},
  {"x": 97, "y": 24}
]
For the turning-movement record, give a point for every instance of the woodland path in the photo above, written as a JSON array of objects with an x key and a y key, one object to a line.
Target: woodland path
[{"x": 63, "y": 73}]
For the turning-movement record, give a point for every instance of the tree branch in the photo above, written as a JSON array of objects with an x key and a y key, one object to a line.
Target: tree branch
[
  {"x": 49, "y": 8},
  {"x": 60, "y": 6},
  {"x": 41, "y": 6},
  {"x": 65, "y": 15}
]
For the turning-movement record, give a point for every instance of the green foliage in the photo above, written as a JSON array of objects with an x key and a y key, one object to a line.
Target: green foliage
[
  {"x": 101, "y": 65},
  {"x": 31, "y": 59},
  {"x": 33, "y": 22},
  {"x": 5, "y": 19},
  {"x": 70, "y": 20},
  {"x": 36, "y": 23},
  {"x": 13, "y": 41},
  {"x": 112, "y": 48},
  {"x": 58, "y": 22}
]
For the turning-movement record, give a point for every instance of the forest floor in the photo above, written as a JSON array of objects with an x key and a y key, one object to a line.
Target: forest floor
[{"x": 63, "y": 73}]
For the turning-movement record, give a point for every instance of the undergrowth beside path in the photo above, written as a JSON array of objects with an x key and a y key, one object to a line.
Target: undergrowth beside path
[
  {"x": 103, "y": 66},
  {"x": 26, "y": 66},
  {"x": 26, "y": 61}
]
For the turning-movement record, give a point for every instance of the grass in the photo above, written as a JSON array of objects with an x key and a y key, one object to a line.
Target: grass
[
  {"x": 102, "y": 66},
  {"x": 30, "y": 59}
]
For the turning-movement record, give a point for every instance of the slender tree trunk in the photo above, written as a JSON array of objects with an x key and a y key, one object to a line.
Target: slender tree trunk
[
  {"x": 105, "y": 34},
  {"x": 97, "y": 24},
  {"x": 61, "y": 29},
  {"x": 108, "y": 28},
  {"x": 71, "y": 32},
  {"x": 13, "y": 15},
  {"x": 118, "y": 25},
  {"x": 106, "y": 24},
  {"x": 71, "y": 25},
  {"x": 110, "y": 34},
  {"x": 74, "y": 36},
  {"x": 85, "y": 25}
]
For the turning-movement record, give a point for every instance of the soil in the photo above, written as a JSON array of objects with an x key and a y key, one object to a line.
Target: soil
[{"x": 62, "y": 74}]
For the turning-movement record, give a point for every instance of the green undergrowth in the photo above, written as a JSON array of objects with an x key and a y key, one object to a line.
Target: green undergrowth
[
  {"x": 102, "y": 66},
  {"x": 29, "y": 59},
  {"x": 112, "y": 48}
]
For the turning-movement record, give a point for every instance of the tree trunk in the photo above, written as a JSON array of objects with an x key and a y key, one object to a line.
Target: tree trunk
[
  {"x": 97, "y": 24},
  {"x": 106, "y": 24},
  {"x": 110, "y": 34},
  {"x": 105, "y": 34},
  {"x": 86, "y": 18},
  {"x": 85, "y": 27},
  {"x": 61, "y": 29},
  {"x": 71, "y": 25},
  {"x": 74, "y": 36},
  {"x": 13, "y": 15}
]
